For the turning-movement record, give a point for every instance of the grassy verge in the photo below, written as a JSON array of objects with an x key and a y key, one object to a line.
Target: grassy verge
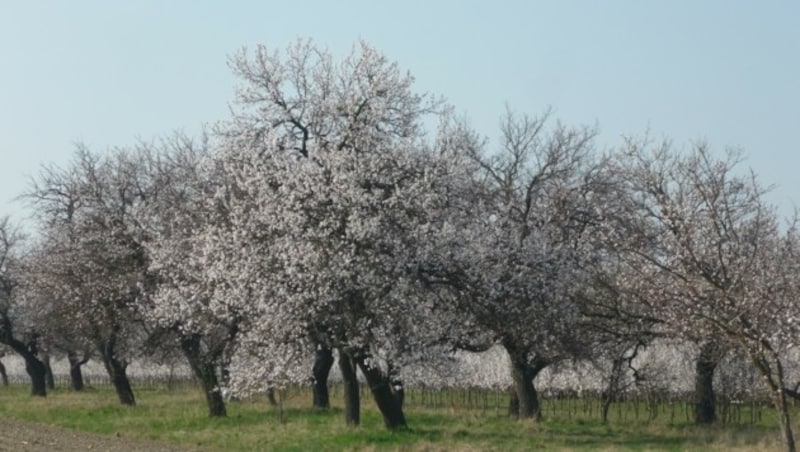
[{"x": 180, "y": 417}]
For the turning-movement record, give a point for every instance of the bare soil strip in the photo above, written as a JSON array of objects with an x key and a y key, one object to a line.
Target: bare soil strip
[{"x": 29, "y": 437}]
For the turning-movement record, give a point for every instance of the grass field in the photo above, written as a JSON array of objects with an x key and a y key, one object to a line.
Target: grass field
[{"x": 179, "y": 417}]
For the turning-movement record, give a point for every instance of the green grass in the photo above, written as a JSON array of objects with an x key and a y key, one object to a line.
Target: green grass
[{"x": 180, "y": 417}]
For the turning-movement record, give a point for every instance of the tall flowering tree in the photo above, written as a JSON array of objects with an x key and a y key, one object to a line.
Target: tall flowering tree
[
  {"x": 343, "y": 248},
  {"x": 521, "y": 244},
  {"x": 188, "y": 240},
  {"x": 710, "y": 250},
  {"x": 331, "y": 159}
]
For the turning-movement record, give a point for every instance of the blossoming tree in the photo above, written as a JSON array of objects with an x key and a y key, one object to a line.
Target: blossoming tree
[
  {"x": 334, "y": 168},
  {"x": 95, "y": 260},
  {"x": 520, "y": 245},
  {"x": 15, "y": 332},
  {"x": 710, "y": 250}
]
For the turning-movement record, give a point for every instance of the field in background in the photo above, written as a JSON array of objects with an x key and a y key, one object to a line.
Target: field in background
[{"x": 438, "y": 420}]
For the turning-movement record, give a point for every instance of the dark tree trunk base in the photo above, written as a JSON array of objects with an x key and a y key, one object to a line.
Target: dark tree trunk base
[
  {"x": 75, "y": 372},
  {"x": 205, "y": 371},
  {"x": 122, "y": 386},
  {"x": 524, "y": 403},
  {"x": 76, "y": 378},
  {"x": 208, "y": 378},
  {"x": 399, "y": 393},
  {"x": 216, "y": 404},
  {"x": 352, "y": 396},
  {"x": 611, "y": 393},
  {"x": 119, "y": 379},
  {"x": 3, "y": 374},
  {"x": 37, "y": 371},
  {"x": 704, "y": 405},
  {"x": 381, "y": 387},
  {"x": 513, "y": 403},
  {"x": 33, "y": 366},
  {"x": 323, "y": 361},
  {"x": 50, "y": 381}
]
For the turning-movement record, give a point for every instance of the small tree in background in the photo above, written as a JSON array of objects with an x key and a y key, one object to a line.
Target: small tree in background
[{"x": 95, "y": 256}]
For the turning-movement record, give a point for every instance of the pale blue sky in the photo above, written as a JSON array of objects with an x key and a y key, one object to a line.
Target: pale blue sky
[{"x": 107, "y": 72}]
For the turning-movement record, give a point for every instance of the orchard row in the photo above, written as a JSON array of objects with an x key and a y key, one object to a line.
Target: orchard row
[{"x": 324, "y": 219}]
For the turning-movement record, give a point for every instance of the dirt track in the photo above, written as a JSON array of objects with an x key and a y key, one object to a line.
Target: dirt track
[{"x": 28, "y": 437}]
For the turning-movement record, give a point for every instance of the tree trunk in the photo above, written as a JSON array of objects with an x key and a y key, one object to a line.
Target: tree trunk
[
  {"x": 119, "y": 379},
  {"x": 381, "y": 387},
  {"x": 399, "y": 392},
  {"x": 784, "y": 420},
  {"x": 768, "y": 363},
  {"x": 323, "y": 361},
  {"x": 205, "y": 370},
  {"x": 37, "y": 371},
  {"x": 526, "y": 396},
  {"x": 611, "y": 393},
  {"x": 604, "y": 409},
  {"x": 704, "y": 398},
  {"x": 28, "y": 352},
  {"x": 3, "y": 374},
  {"x": 75, "y": 372},
  {"x": 50, "y": 381},
  {"x": 522, "y": 375},
  {"x": 513, "y": 402},
  {"x": 208, "y": 378},
  {"x": 33, "y": 366},
  {"x": 116, "y": 368},
  {"x": 352, "y": 397},
  {"x": 782, "y": 405}
]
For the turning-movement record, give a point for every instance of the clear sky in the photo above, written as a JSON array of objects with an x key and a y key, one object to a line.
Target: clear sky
[{"x": 110, "y": 72}]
